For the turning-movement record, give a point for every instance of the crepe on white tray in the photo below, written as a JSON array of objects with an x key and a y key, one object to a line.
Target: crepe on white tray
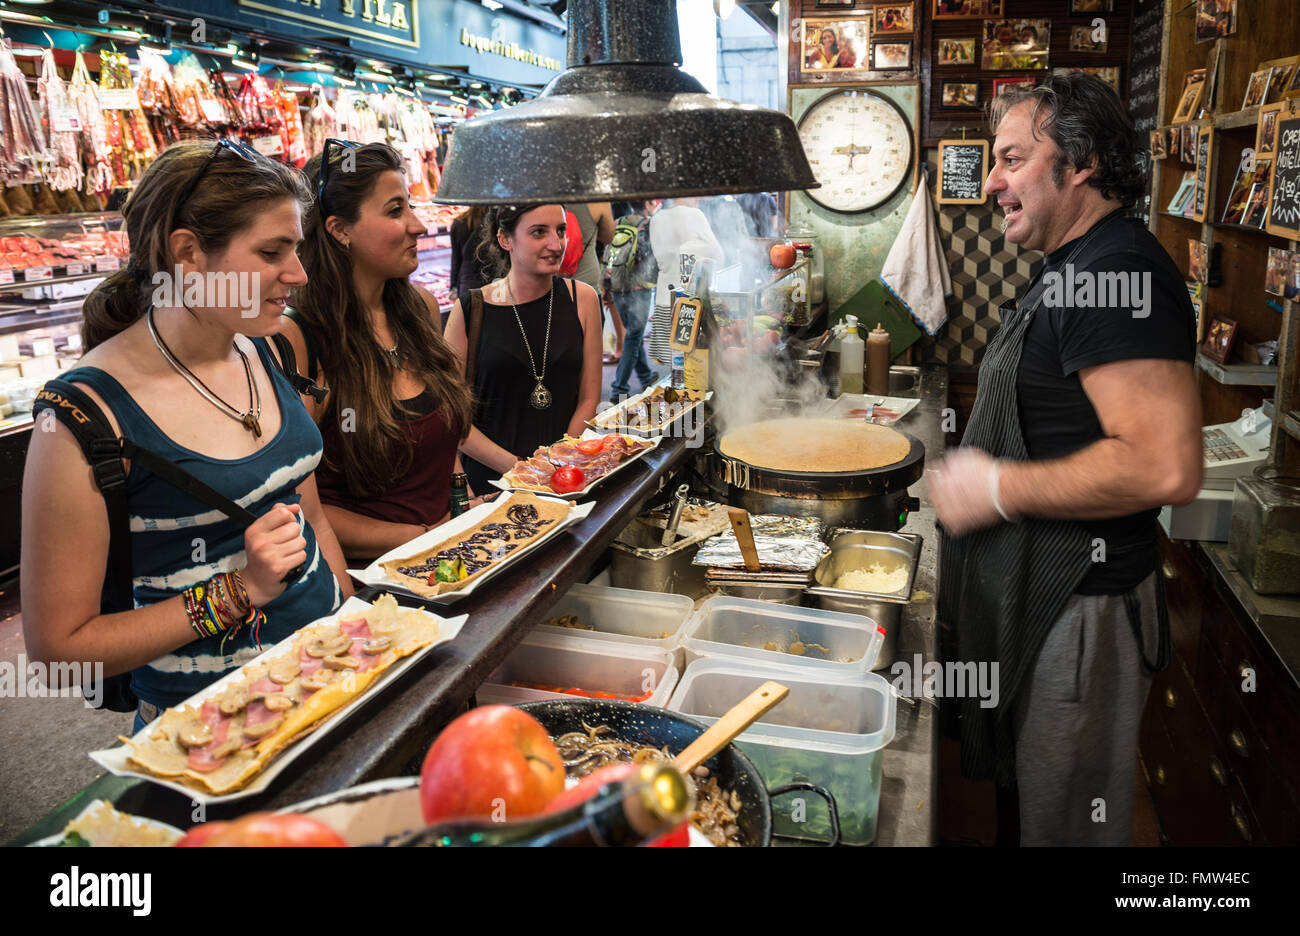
[{"x": 114, "y": 760}]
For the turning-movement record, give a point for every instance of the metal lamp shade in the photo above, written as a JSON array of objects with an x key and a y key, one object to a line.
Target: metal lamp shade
[{"x": 622, "y": 122}]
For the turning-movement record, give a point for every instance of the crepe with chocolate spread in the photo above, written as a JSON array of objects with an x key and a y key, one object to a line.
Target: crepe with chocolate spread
[{"x": 517, "y": 522}]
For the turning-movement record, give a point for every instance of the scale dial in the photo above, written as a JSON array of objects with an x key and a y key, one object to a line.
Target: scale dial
[{"x": 860, "y": 148}]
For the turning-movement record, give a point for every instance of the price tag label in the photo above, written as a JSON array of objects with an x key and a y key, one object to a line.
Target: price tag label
[
  {"x": 75, "y": 269},
  {"x": 64, "y": 118},
  {"x": 6, "y": 276},
  {"x": 107, "y": 264},
  {"x": 36, "y": 274},
  {"x": 269, "y": 145},
  {"x": 118, "y": 99},
  {"x": 1249, "y": 422},
  {"x": 212, "y": 110}
]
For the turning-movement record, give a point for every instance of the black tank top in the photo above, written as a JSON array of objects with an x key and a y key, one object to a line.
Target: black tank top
[{"x": 503, "y": 380}]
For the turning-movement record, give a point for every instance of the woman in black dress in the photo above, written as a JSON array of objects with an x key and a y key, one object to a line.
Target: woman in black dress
[{"x": 532, "y": 354}]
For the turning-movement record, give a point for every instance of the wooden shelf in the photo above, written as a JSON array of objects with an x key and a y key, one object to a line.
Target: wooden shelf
[
  {"x": 1245, "y": 227},
  {"x": 1242, "y": 118},
  {"x": 1239, "y": 375}
]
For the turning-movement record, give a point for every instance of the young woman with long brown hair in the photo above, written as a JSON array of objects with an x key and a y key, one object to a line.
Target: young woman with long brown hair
[
  {"x": 536, "y": 353},
  {"x": 193, "y": 381},
  {"x": 397, "y": 408}
]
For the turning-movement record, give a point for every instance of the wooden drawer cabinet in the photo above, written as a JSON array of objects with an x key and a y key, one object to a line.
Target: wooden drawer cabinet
[
  {"x": 1180, "y": 569},
  {"x": 1221, "y": 763}
]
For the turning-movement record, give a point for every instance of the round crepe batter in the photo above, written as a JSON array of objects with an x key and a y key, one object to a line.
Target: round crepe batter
[{"x": 816, "y": 445}]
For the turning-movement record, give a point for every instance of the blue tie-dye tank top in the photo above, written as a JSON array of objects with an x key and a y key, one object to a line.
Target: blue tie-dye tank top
[{"x": 177, "y": 540}]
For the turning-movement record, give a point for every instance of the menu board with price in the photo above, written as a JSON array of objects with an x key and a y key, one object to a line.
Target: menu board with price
[
  {"x": 1204, "y": 149},
  {"x": 686, "y": 324},
  {"x": 1284, "y": 196},
  {"x": 963, "y": 167}
]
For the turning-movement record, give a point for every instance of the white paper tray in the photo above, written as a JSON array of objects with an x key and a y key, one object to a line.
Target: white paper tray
[
  {"x": 114, "y": 759},
  {"x": 375, "y": 574},
  {"x": 503, "y": 485}
]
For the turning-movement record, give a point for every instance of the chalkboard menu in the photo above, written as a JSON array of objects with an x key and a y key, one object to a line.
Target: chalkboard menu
[
  {"x": 1204, "y": 147},
  {"x": 1284, "y": 196},
  {"x": 1144, "y": 79},
  {"x": 686, "y": 324},
  {"x": 963, "y": 167}
]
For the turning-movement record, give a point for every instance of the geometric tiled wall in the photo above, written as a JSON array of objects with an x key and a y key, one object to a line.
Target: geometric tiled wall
[{"x": 986, "y": 271}]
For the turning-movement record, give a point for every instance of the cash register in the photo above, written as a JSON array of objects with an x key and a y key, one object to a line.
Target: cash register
[{"x": 1232, "y": 450}]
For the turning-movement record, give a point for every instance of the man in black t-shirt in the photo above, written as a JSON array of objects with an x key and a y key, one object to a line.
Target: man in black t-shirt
[{"x": 1090, "y": 422}]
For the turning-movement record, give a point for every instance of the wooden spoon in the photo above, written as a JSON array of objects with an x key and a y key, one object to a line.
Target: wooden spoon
[
  {"x": 739, "y": 517},
  {"x": 725, "y": 729}
]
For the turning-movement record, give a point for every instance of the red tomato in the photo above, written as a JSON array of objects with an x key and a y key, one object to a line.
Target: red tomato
[
  {"x": 589, "y": 446},
  {"x": 200, "y": 834},
  {"x": 781, "y": 256},
  {"x": 495, "y": 761},
  {"x": 568, "y": 479},
  {"x": 266, "y": 829}
]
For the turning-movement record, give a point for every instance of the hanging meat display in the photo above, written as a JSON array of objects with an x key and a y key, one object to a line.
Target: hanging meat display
[
  {"x": 321, "y": 122},
  {"x": 92, "y": 140},
  {"x": 291, "y": 120},
  {"x": 128, "y": 129},
  {"x": 22, "y": 145},
  {"x": 157, "y": 94},
  {"x": 62, "y": 124},
  {"x": 262, "y": 126}
]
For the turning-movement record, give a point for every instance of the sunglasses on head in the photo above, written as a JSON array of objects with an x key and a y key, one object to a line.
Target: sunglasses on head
[
  {"x": 325, "y": 169},
  {"x": 242, "y": 150}
]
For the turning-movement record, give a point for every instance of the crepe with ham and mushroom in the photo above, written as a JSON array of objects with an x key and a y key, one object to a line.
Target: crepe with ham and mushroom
[
  {"x": 608, "y": 452},
  {"x": 221, "y": 743}
]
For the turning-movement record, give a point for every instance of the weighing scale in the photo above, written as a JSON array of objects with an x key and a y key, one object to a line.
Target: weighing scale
[{"x": 1232, "y": 450}]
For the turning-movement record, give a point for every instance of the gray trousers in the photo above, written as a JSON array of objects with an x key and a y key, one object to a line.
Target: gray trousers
[{"x": 1076, "y": 723}]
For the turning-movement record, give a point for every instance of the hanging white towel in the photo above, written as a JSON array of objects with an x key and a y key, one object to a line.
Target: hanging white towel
[{"x": 916, "y": 270}]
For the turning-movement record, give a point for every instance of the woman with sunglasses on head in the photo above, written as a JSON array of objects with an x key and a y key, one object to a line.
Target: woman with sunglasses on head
[
  {"x": 532, "y": 353},
  {"x": 183, "y": 369},
  {"x": 397, "y": 407}
]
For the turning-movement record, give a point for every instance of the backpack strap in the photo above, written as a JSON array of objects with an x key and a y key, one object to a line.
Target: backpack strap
[
  {"x": 473, "y": 331},
  {"x": 313, "y": 355},
  {"x": 99, "y": 443},
  {"x": 289, "y": 367}
]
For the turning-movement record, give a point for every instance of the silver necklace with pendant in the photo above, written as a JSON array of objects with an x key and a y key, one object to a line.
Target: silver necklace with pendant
[{"x": 540, "y": 398}]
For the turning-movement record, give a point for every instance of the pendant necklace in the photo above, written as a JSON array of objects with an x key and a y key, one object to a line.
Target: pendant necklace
[
  {"x": 540, "y": 398},
  {"x": 250, "y": 419}
]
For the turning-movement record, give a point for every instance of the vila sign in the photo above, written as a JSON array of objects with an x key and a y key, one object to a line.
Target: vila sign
[{"x": 395, "y": 21}]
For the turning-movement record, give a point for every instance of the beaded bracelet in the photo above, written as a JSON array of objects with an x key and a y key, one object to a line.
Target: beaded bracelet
[{"x": 221, "y": 606}]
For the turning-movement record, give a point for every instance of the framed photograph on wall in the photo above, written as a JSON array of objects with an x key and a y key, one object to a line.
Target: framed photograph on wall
[
  {"x": 1015, "y": 45},
  {"x": 1080, "y": 7},
  {"x": 965, "y": 9},
  {"x": 835, "y": 46},
  {"x": 891, "y": 18},
  {"x": 1256, "y": 88},
  {"x": 840, "y": 4},
  {"x": 1158, "y": 148},
  {"x": 1279, "y": 79},
  {"x": 1081, "y": 40},
  {"x": 1215, "y": 19},
  {"x": 1107, "y": 73},
  {"x": 956, "y": 52},
  {"x": 1002, "y": 84},
  {"x": 1219, "y": 339},
  {"x": 891, "y": 55},
  {"x": 962, "y": 94},
  {"x": 1266, "y": 129},
  {"x": 1189, "y": 102}
]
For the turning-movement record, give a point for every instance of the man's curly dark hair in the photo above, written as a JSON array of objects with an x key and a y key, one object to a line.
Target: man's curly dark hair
[{"x": 1085, "y": 119}]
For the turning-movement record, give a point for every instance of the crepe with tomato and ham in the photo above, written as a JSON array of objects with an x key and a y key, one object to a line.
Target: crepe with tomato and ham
[
  {"x": 220, "y": 743},
  {"x": 520, "y": 519},
  {"x": 595, "y": 458}
]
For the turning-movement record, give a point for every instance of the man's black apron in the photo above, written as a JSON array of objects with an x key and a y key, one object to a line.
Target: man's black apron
[{"x": 1002, "y": 588}]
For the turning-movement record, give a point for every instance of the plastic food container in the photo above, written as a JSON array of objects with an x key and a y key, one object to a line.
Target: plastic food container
[
  {"x": 861, "y": 549},
  {"x": 1264, "y": 538},
  {"x": 828, "y": 730},
  {"x": 764, "y": 634},
  {"x": 593, "y": 665},
  {"x": 624, "y": 615}
]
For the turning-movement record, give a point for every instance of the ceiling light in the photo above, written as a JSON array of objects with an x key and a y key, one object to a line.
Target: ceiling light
[
  {"x": 476, "y": 85},
  {"x": 493, "y": 4},
  {"x": 623, "y": 122},
  {"x": 154, "y": 44},
  {"x": 462, "y": 101},
  {"x": 724, "y": 8},
  {"x": 776, "y": 8},
  {"x": 247, "y": 62}
]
